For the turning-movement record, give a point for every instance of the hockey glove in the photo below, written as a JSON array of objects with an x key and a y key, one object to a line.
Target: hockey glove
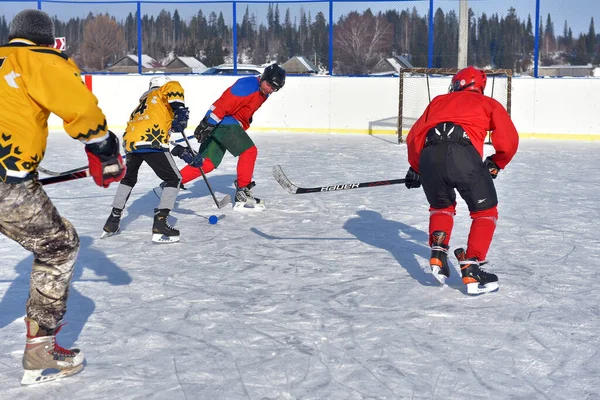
[
  {"x": 183, "y": 152},
  {"x": 412, "y": 179},
  {"x": 204, "y": 130},
  {"x": 105, "y": 162},
  {"x": 197, "y": 161},
  {"x": 492, "y": 167},
  {"x": 180, "y": 119}
]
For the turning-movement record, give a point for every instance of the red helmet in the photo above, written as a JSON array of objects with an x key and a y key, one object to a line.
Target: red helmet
[{"x": 469, "y": 78}]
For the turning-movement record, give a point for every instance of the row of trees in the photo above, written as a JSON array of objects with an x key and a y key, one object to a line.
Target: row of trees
[{"x": 360, "y": 39}]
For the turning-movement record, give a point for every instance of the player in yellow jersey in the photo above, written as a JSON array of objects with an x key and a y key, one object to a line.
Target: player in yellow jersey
[
  {"x": 36, "y": 80},
  {"x": 161, "y": 110}
]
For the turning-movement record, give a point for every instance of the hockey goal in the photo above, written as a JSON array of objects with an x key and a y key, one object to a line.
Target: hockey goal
[{"x": 418, "y": 86}]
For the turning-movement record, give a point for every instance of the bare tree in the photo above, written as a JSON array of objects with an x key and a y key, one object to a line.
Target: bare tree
[
  {"x": 360, "y": 41},
  {"x": 103, "y": 42}
]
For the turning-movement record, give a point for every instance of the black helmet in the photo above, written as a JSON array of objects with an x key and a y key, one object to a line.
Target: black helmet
[
  {"x": 274, "y": 75},
  {"x": 34, "y": 25}
]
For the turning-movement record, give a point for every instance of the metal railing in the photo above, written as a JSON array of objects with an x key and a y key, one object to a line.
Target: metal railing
[{"x": 325, "y": 37}]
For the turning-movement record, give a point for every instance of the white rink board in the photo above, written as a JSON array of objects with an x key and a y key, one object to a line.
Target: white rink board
[{"x": 563, "y": 107}]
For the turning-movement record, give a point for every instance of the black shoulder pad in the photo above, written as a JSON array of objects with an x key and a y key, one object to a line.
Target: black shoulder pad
[{"x": 48, "y": 51}]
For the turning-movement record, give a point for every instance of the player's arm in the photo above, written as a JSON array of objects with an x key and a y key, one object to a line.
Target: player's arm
[
  {"x": 505, "y": 137},
  {"x": 57, "y": 86},
  {"x": 218, "y": 110},
  {"x": 415, "y": 141},
  {"x": 174, "y": 96}
]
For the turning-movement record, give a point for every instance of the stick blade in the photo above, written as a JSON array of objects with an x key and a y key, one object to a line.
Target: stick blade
[
  {"x": 283, "y": 180},
  {"x": 224, "y": 202}
]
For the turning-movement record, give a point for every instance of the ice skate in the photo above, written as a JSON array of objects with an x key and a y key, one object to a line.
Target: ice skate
[
  {"x": 439, "y": 257},
  {"x": 159, "y": 189},
  {"x": 44, "y": 360},
  {"x": 245, "y": 200},
  {"x": 111, "y": 227},
  {"x": 162, "y": 232},
  {"x": 474, "y": 276}
]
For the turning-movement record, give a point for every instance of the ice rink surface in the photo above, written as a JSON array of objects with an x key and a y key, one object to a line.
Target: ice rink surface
[{"x": 323, "y": 296}]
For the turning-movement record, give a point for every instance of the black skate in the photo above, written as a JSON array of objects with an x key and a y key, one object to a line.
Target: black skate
[
  {"x": 478, "y": 280},
  {"x": 111, "y": 227},
  {"x": 245, "y": 200},
  {"x": 162, "y": 232},
  {"x": 439, "y": 257}
]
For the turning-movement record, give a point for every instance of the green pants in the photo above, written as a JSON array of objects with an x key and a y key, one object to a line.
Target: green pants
[{"x": 232, "y": 138}]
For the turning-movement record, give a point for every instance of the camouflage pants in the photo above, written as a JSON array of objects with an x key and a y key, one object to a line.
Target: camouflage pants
[{"x": 28, "y": 217}]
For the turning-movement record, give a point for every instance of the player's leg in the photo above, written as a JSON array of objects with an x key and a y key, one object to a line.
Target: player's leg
[
  {"x": 133, "y": 161},
  {"x": 442, "y": 199},
  {"x": 28, "y": 217},
  {"x": 164, "y": 167},
  {"x": 212, "y": 151},
  {"x": 476, "y": 187}
]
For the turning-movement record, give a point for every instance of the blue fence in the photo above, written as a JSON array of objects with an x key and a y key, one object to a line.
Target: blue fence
[{"x": 327, "y": 37}]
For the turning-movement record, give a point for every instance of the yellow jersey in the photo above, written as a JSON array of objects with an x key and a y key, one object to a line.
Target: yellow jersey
[
  {"x": 149, "y": 125},
  {"x": 35, "y": 81}
]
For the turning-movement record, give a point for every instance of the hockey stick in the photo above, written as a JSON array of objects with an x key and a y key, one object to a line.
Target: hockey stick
[
  {"x": 184, "y": 139},
  {"x": 52, "y": 173},
  {"x": 293, "y": 189},
  {"x": 65, "y": 177},
  {"x": 225, "y": 200}
]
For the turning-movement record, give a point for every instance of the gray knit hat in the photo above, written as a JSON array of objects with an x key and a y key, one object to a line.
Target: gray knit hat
[{"x": 34, "y": 25}]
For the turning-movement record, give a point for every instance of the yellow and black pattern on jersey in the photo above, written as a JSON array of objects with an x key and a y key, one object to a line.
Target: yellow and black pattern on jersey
[
  {"x": 150, "y": 122},
  {"x": 36, "y": 81},
  {"x": 12, "y": 160}
]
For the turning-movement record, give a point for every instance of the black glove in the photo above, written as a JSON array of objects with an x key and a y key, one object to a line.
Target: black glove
[
  {"x": 492, "y": 167},
  {"x": 412, "y": 179},
  {"x": 197, "y": 161},
  {"x": 183, "y": 152},
  {"x": 180, "y": 119},
  {"x": 204, "y": 130}
]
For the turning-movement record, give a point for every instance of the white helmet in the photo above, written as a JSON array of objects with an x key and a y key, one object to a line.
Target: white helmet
[{"x": 158, "y": 81}]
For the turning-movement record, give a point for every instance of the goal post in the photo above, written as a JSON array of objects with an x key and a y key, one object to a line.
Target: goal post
[{"x": 418, "y": 86}]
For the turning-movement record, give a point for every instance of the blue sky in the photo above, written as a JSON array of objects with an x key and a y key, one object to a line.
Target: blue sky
[{"x": 577, "y": 14}]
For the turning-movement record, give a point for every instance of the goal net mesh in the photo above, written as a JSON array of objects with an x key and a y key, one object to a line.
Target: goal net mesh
[{"x": 418, "y": 86}]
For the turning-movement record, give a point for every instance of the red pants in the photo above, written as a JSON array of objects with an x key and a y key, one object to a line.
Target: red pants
[{"x": 245, "y": 168}]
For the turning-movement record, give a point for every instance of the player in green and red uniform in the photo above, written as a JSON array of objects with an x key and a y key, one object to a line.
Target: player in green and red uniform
[{"x": 224, "y": 129}]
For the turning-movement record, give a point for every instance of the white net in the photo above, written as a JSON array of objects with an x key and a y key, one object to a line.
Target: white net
[{"x": 418, "y": 86}]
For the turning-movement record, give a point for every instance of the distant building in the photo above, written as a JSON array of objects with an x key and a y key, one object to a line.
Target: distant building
[
  {"x": 391, "y": 66},
  {"x": 567, "y": 70},
  {"x": 299, "y": 65},
  {"x": 186, "y": 65},
  {"x": 129, "y": 64}
]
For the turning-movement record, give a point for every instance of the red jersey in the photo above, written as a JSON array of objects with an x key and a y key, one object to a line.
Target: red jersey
[
  {"x": 476, "y": 114},
  {"x": 238, "y": 104}
]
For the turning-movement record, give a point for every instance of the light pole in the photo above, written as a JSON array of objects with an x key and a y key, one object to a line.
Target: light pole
[{"x": 463, "y": 33}]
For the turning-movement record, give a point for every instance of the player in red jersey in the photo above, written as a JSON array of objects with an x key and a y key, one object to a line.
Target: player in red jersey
[{"x": 445, "y": 152}]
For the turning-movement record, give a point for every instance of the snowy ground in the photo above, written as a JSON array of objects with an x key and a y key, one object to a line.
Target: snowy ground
[{"x": 323, "y": 296}]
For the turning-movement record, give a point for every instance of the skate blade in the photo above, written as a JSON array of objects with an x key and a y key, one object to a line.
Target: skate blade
[
  {"x": 34, "y": 376},
  {"x": 160, "y": 238},
  {"x": 249, "y": 207},
  {"x": 475, "y": 288},
  {"x": 437, "y": 274},
  {"x": 109, "y": 234}
]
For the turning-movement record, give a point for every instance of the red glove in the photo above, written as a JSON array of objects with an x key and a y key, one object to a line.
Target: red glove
[{"x": 105, "y": 162}]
